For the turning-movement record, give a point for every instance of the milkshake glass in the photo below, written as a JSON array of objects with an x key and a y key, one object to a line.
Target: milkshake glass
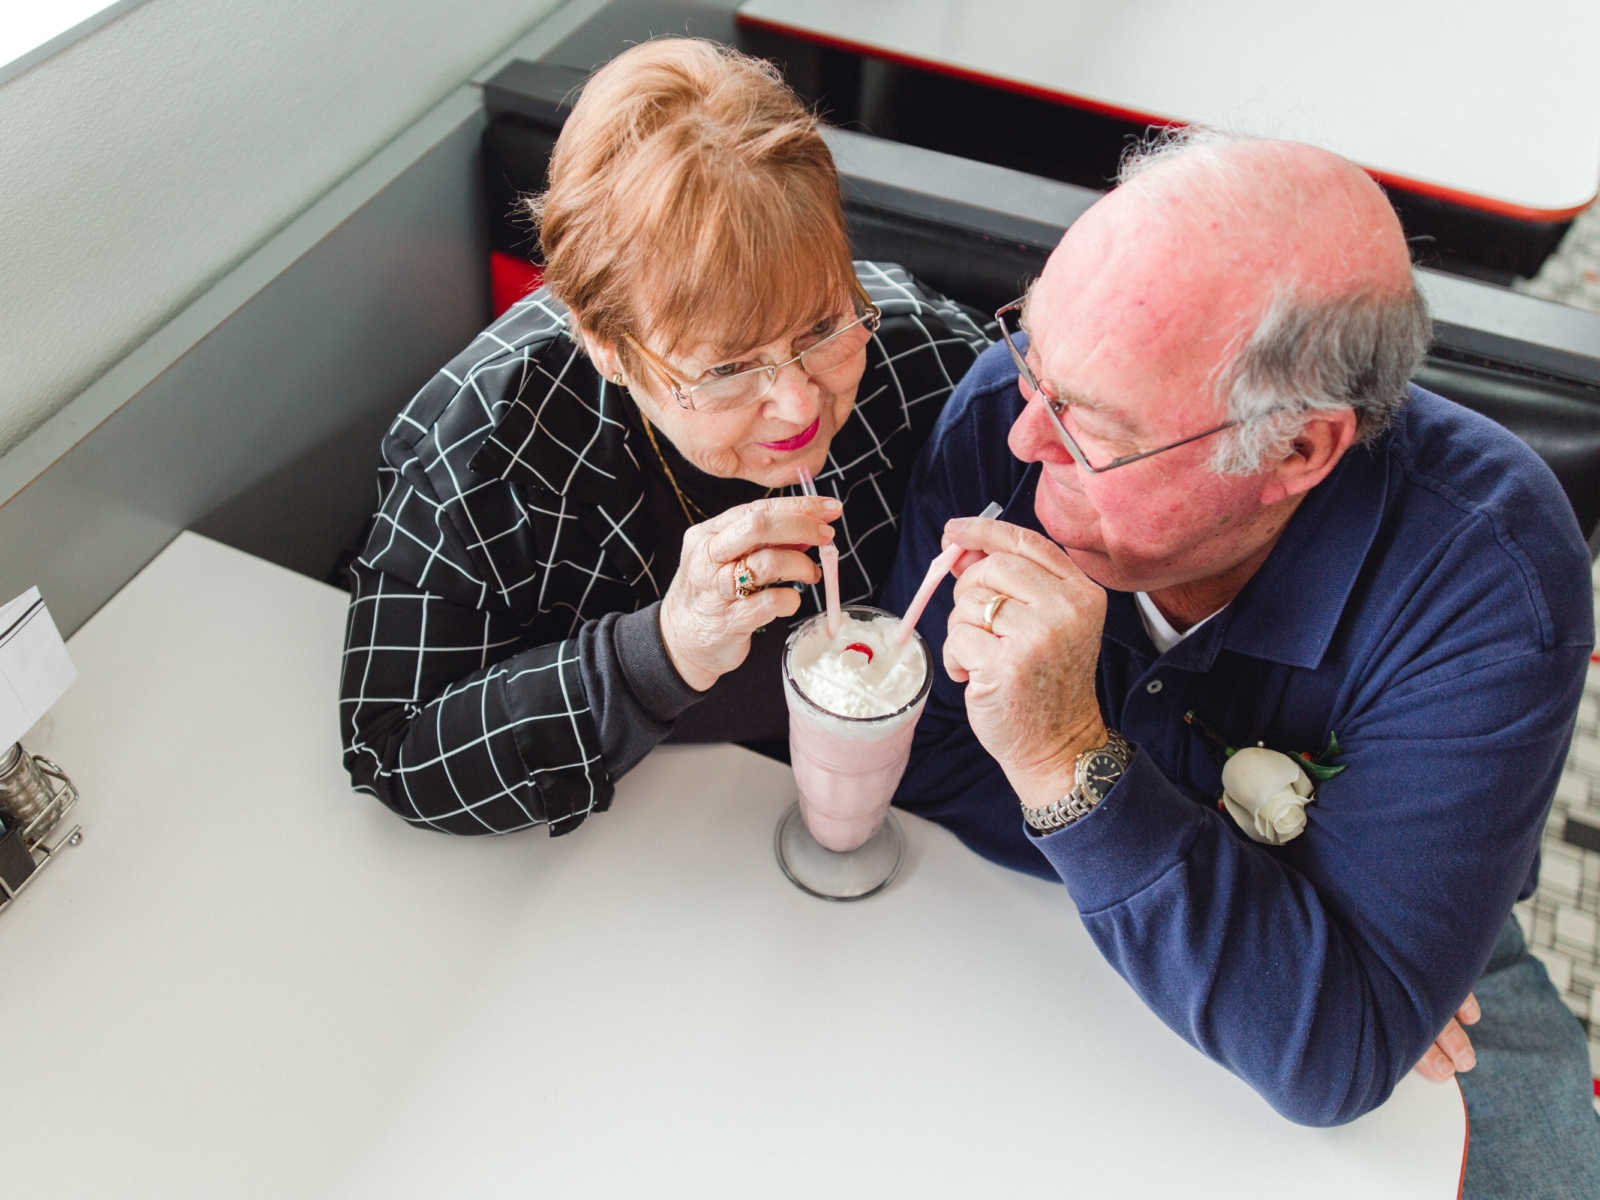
[{"x": 840, "y": 840}]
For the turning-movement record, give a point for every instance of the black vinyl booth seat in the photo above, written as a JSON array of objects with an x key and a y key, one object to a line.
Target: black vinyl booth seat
[
  {"x": 980, "y": 233},
  {"x": 1559, "y": 418}
]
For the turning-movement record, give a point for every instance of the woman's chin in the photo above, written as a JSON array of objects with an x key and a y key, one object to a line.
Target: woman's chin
[{"x": 772, "y": 468}]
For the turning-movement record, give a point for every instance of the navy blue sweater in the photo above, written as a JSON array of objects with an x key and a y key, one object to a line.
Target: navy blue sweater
[{"x": 1430, "y": 604}]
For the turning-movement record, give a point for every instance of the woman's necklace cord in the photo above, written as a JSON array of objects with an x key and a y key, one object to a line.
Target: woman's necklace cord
[{"x": 692, "y": 512}]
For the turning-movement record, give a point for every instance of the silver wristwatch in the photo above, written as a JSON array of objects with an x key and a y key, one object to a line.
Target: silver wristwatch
[{"x": 1097, "y": 770}]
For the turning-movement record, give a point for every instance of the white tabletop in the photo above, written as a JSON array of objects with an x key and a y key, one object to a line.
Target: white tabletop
[
  {"x": 248, "y": 981},
  {"x": 1485, "y": 105}
]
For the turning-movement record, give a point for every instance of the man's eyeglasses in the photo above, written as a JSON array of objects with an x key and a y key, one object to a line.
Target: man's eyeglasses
[
  {"x": 826, "y": 346},
  {"x": 1055, "y": 406}
]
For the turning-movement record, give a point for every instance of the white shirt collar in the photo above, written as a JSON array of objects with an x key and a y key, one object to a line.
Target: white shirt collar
[{"x": 1159, "y": 628}]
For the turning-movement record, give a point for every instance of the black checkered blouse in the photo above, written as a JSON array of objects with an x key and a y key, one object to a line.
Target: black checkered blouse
[{"x": 512, "y": 514}]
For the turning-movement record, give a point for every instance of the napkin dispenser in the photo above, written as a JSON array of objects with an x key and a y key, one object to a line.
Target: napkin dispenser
[{"x": 35, "y": 794}]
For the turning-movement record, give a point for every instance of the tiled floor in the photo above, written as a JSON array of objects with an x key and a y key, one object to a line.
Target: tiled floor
[
  {"x": 1563, "y": 916},
  {"x": 1572, "y": 274}
]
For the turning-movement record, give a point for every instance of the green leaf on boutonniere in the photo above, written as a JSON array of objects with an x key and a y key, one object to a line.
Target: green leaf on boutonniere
[
  {"x": 1320, "y": 766},
  {"x": 1316, "y": 770}
]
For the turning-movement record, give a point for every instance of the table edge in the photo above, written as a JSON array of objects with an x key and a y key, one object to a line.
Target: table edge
[{"x": 1488, "y": 204}]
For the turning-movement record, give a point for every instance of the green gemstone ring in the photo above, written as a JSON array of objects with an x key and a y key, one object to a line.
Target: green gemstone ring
[{"x": 744, "y": 580}]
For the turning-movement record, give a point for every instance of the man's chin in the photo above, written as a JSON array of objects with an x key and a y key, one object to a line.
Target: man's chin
[
  {"x": 1096, "y": 566},
  {"x": 1066, "y": 536}
]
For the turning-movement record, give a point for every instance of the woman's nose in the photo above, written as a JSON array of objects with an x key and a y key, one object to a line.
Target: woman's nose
[{"x": 793, "y": 395}]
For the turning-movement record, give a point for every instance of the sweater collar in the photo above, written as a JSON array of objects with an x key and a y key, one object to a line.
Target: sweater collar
[
  {"x": 565, "y": 431},
  {"x": 1310, "y": 574}
]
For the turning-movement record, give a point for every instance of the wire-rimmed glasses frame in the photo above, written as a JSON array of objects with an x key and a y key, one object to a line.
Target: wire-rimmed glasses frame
[
  {"x": 868, "y": 315},
  {"x": 1055, "y": 406}
]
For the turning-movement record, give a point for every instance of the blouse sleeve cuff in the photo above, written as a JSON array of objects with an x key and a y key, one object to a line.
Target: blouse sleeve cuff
[{"x": 646, "y": 668}]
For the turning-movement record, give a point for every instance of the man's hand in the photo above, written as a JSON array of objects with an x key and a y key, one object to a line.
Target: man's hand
[
  {"x": 1030, "y": 678},
  {"x": 1452, "y": 1049}
]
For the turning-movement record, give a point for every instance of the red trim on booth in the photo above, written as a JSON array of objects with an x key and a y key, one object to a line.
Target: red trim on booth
[
  {"x": 1503, "y": 208},
  {"x": 1466, "y": 1139},
  {"x": 510, "y": 279}
]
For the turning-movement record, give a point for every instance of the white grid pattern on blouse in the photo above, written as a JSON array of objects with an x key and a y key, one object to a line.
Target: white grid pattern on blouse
[{"x": 512, "y": 510}]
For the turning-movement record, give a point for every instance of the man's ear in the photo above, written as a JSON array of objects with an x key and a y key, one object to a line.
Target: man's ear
[{"x": 1312, "y": 453}]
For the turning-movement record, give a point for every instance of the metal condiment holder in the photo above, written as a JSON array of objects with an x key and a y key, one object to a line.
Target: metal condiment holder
[{"x": 34, "y": 837}]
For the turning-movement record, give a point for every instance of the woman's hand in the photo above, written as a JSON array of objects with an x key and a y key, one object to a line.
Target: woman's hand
[{"x": 705, "y": 623}]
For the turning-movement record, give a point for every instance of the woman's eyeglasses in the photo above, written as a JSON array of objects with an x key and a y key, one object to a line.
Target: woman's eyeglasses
[{"x": 826, "y": 347}]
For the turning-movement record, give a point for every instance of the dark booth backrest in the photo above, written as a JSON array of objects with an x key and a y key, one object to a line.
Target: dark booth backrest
[
  {"x": 1559, "y": 418},
  {"x": 979, "y": 233}
]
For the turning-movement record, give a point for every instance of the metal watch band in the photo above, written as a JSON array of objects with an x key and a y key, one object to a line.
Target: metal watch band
[
  {"x": 1071, "y": 807},
  {"x": 1076, "y": 804}
]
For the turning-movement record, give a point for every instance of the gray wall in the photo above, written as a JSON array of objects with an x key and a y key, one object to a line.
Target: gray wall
[
  {"x": 253, "y": 416},
  {"x": 252, "y": 411},
  {"x": 144, "y": 161}
]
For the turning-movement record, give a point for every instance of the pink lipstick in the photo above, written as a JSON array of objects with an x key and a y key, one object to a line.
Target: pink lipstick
[{"x": 802, "y": 438}]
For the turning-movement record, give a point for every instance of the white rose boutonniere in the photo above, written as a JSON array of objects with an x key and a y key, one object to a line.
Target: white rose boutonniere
[{"x": 1266, "y": 792}]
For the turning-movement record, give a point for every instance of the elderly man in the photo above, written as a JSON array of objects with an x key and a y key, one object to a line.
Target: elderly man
[{"x": 1230, "y": 523}]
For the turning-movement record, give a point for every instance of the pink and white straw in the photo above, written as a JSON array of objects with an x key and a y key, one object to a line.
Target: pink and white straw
[
  {"x": 829, "y": 554},
  {"x": 941, "y": 564}
]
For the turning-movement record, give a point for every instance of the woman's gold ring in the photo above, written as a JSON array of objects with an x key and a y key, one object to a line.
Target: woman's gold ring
[
  {"x": 992, "y": 610},
  {"x": 744, "y": 580}
]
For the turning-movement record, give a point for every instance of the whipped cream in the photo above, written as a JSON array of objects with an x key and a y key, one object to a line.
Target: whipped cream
[{"x": 860, "y": 671}]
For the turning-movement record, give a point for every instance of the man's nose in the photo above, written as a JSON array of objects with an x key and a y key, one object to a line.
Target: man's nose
[{"x": 1033, "y": 438}]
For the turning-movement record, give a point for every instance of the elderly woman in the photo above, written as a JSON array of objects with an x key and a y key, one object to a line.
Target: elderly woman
[{"x": 589, "y": 535}]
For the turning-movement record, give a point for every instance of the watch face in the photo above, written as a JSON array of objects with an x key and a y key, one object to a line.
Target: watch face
[{"x": 1099, "y": 772}]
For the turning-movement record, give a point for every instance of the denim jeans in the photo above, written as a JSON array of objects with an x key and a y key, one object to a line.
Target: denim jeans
[{"x": 1531, "y": 1125}]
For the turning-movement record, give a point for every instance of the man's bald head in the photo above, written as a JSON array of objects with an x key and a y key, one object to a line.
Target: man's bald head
[
  {"x": 1297, "y": 272},
  {"x": 1294, "y": 213}
]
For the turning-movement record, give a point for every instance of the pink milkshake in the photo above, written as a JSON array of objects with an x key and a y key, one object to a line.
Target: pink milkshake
[{"x": 854, "y": 699}]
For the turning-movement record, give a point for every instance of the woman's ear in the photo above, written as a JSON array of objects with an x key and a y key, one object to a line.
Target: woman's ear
[{"x": 602, "y": 354}]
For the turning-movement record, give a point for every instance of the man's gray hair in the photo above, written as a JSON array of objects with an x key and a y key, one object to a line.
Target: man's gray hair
[{"x": 1352, "y": 351}]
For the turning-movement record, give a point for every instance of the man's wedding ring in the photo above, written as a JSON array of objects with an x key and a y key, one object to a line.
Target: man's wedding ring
[{"x": 992, "y": 610}]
